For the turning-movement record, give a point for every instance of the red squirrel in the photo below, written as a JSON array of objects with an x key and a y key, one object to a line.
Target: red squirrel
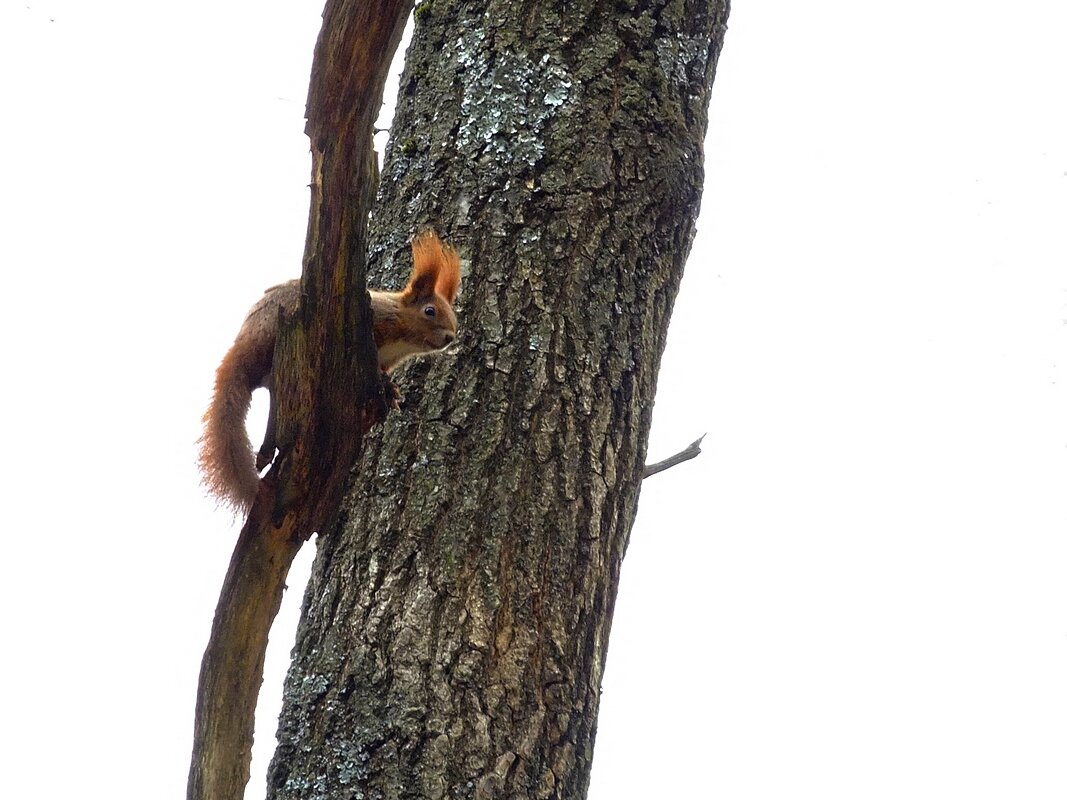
[{"x": 418, "y": 319}]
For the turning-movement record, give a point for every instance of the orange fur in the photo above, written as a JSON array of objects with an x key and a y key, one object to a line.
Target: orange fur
[{"x": 418, "y": 319}]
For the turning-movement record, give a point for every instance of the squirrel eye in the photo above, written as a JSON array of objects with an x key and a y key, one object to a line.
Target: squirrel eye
[{"x": 430, "y": 311}]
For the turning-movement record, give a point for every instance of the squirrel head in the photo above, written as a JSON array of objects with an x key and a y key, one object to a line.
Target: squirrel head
[
  {"x": 420, "y": 318},
  {"x": 433, "y": 287}
]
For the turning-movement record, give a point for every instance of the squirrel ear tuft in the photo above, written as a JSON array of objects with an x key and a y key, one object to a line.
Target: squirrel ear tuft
[{"x": 436, "y": 268}]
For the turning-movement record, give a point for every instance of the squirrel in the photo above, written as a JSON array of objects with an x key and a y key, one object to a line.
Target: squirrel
[{"x": 418, "y": 319}]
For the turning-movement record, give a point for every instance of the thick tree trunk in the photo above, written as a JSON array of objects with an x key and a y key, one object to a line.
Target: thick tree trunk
[{"x": 456, "y": 623}]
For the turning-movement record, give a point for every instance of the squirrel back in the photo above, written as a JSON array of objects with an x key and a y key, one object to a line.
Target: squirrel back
[{"x": 418, "y": 319}]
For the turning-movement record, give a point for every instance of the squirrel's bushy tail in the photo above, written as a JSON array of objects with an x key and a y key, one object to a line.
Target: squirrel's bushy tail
[{"x": 226, "y": 458}]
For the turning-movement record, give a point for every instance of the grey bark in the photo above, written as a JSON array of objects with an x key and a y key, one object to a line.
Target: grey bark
[{"x": 456, "y": 623}]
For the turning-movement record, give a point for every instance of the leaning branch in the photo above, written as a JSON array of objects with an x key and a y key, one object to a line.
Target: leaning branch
[{"x": 326, "y": 391}]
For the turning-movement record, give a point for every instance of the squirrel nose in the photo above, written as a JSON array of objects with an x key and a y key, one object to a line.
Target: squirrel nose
[{"x": 449, "y": 338}]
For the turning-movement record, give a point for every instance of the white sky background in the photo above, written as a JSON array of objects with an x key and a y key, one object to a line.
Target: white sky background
[{"x": 858, "y": 590}]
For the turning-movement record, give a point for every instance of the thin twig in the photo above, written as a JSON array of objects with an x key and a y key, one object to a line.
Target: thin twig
[{"x": 690, "y": 452}]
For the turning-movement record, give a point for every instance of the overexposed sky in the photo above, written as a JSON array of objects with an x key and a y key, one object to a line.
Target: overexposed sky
[{"x": 858, "y": 590}]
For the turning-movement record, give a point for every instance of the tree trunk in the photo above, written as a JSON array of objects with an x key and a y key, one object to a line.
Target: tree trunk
[{"x": 456, "y": 622}]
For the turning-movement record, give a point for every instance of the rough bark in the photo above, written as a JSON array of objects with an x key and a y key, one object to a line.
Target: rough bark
[
  {"x": 456, "y": 623},
  {"x": 325, "y": 391}
]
